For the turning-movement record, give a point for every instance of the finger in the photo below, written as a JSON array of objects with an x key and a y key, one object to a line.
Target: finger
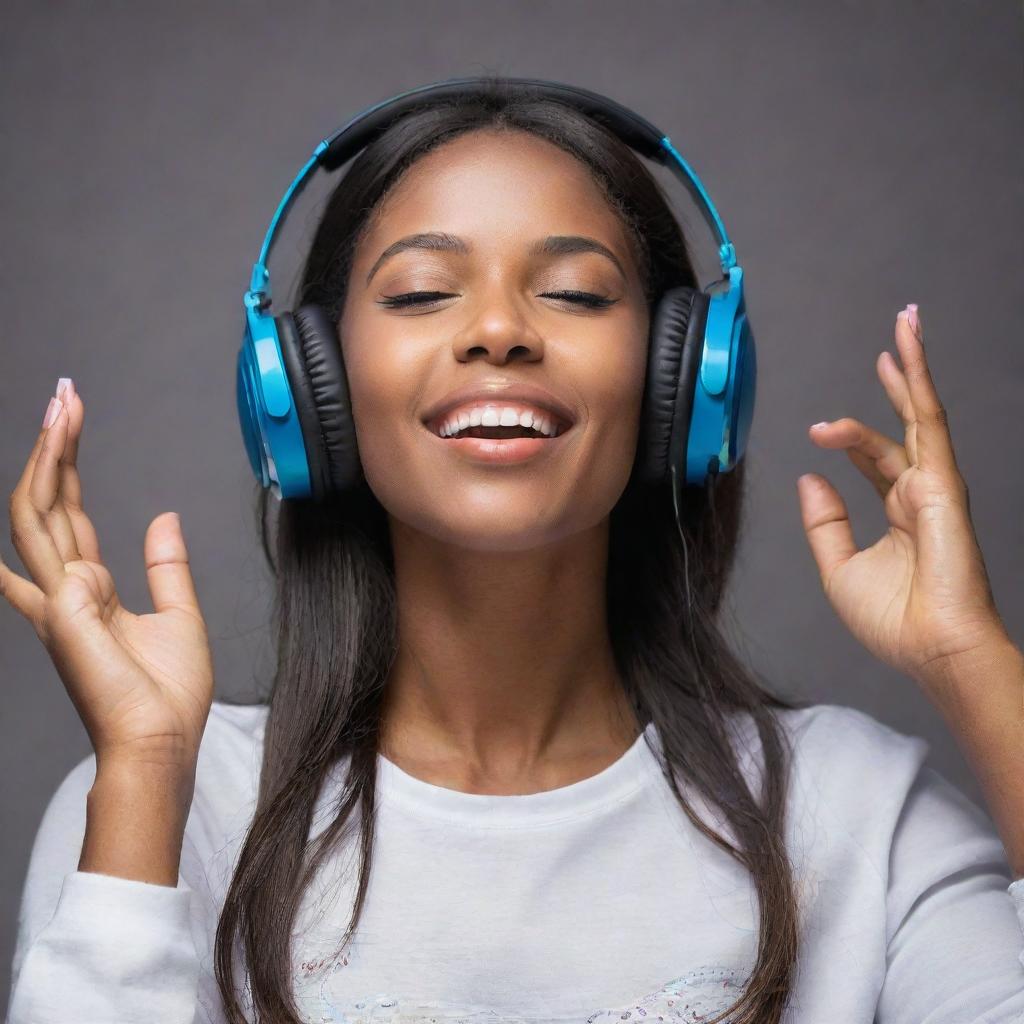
[
  {"x": 44, "y": 490},
  {"x": 30, "y": 463},
  {"x": 933, "y": 442},
  {"x": 870, "y": 470},
  {"x": 895, "y": 385},
  {"x": 22, "y": 594},
  {"x": 29, "y": 532},
  {"x": 71, "y": 485},
  {"x": 826, "y": 523},
  {"x": 167, "y": 568},
  {"x": 26, "y": 473},
  {"x": 880, "y": 458}
]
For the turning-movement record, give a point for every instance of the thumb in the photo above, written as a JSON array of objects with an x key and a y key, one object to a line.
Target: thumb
[
  {"x": 167, "y": 568},
  {"x": 826, "y": 523}
]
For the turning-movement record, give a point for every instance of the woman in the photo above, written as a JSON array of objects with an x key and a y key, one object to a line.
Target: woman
[{"x": 502, "y": 684}]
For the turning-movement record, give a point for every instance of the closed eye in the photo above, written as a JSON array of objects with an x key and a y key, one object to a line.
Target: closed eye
[
  {"x": 423, "y": 298},
  {"x": 583, "y": 298},
  {"x": 412, "y": 298}
]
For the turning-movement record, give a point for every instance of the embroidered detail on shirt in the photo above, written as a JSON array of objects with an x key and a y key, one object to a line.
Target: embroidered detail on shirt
[{"x": 692, "y": 997}]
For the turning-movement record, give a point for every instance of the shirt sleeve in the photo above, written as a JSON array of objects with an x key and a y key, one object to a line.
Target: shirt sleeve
[
  {"x": 100, "y": 949},
  {"x": 955, "y": 918}
]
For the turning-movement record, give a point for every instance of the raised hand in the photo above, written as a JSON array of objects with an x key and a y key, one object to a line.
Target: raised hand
[
  {"x": 919, "y": 598},
  {"x": 142, "y": 684}
]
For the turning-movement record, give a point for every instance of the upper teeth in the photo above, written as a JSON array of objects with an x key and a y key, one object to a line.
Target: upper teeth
[{"x": 490, "y": 415}]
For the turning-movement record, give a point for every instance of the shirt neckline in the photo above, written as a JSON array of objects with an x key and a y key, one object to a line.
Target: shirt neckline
[{"x": 624, "y": 776}]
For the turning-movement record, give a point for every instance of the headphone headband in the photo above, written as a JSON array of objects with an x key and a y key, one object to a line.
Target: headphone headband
[{"x": 343, "y": 144}]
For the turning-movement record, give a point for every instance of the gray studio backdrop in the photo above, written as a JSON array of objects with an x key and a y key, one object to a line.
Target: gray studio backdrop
[{"x": 862, "y": 155}]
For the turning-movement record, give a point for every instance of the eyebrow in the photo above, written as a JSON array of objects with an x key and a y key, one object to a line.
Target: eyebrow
[{"x": 439, "y": 241}]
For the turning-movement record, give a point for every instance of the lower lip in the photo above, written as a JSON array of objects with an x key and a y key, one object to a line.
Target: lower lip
[{"x": 501, "y": 450}]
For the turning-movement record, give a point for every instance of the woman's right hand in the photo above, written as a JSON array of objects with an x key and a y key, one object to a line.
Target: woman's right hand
[{"x": 142, "y": 684}]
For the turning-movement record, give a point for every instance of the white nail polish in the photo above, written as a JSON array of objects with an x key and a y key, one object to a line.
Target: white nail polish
[{"x": 65, "y": 384}]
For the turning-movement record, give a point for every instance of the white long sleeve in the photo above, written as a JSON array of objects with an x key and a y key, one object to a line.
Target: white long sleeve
[
  {"x": 592, "y": 903},
  {"x": 98, "y": 949},
  {"x": 953, "y": 952},
  {"x": 115, "y": 950}
]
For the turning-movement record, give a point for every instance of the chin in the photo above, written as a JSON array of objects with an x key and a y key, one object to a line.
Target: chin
[{"x": 494, "y": 530}]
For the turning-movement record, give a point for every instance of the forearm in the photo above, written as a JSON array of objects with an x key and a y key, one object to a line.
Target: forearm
[
  {"x": 135, "y": 823},
  {"x": 981, "y": 697}
]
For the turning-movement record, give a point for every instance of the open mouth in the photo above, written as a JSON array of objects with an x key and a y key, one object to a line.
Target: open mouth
[
  {"x": 494, "y": 423},
  {"x": 499, "y": 433},
  {"x": 503, "y": 445}
]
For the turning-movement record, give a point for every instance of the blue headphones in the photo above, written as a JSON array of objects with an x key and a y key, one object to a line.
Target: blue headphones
[{"x": 292, "y": 392}]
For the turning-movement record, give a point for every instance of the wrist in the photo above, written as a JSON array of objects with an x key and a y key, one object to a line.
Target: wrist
[
  {"x": 135, "y": 822},
  {"x": 986, "y": 681},
  {"x": 957, "y": 675}
]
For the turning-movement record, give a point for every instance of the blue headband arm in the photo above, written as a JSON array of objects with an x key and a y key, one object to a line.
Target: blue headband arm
[
  {"x": 260, "y": 281},
  {"x": 726, "y": 250}
]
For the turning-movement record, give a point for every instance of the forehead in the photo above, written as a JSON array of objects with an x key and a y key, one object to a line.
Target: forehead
[{"x": 496, "y": 185}]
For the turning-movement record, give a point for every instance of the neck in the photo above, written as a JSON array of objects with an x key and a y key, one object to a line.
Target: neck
[{"x": 504, "y": 662}]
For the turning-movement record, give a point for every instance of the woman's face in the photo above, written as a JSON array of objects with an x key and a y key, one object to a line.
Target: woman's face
[{"x": 496, "y": 196}]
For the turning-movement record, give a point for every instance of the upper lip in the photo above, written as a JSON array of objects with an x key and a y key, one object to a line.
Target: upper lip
[{"x": 498, "y": 391}]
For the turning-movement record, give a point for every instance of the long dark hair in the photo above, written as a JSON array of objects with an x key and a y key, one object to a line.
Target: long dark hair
[{"x": 336, "y": 618}]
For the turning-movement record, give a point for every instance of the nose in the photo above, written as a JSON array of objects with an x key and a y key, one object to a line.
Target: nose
[{"x": 499, "y": 330}]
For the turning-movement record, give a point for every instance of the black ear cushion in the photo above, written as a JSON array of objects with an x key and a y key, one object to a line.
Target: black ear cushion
[
  {"x": 312, "y": 354},
  {"x": 676, "y": 344}
]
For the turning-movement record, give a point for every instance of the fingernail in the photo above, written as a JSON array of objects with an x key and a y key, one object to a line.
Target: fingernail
[
  {"x": 912, "y": 319},
  {"x": 818, "y": 426},
  {"x": 65, "y": 384},
  {"x": 52, "y": 412}
]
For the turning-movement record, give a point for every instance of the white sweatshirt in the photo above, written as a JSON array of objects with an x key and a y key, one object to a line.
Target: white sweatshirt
[{"x": 591, "y": 903}]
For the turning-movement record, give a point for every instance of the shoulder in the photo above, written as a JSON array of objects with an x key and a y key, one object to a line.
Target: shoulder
[
  {"x": 845, "y": 739},
  {"x": 846, "y": 766},
  {"x": 849, "y": 739},
  {"x": 246, "y": 718},
  {"x": 233, "y": 733},
  {"x": 228, "y": 767}
]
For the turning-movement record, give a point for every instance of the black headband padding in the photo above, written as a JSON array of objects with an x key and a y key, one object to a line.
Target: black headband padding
[{"x": 633, "y": 129}]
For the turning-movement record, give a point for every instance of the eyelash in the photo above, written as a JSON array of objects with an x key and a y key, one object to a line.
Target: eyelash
[{"x": 587, "y": 299}]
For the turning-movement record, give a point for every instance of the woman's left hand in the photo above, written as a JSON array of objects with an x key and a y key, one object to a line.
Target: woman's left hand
[{"x": 919, "y": 598}]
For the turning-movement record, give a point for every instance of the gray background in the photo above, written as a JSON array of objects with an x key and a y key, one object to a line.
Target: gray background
[{"x": 862, "y": 156}]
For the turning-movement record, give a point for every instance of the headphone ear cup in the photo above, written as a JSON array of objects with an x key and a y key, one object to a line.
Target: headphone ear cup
[
  {"x": 311, "y": 349},
  {"x": 673, "y": 357}
]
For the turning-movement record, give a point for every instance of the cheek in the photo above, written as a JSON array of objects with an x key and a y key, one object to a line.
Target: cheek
[
  {"x": 384, "y": 379},
  {"x": 614, "y": 386},
  {"x": 632, "y": 375}
]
